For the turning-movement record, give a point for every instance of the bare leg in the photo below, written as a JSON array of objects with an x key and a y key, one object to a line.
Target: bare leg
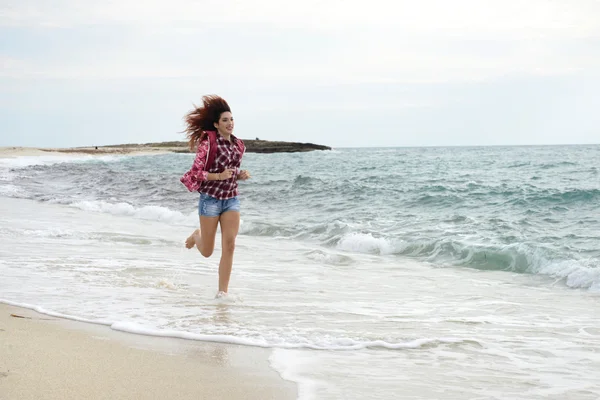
[
  {"x": 190, "y": 241},
  {"x": 204, "y": 238},
  {"x": 230, "y": 225}
]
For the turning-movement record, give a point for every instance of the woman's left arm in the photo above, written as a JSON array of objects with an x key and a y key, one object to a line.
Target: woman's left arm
[{"x": 242, "y": 174}]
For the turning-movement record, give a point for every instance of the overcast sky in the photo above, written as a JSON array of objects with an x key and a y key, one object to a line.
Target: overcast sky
[{"x": 342, "y": 73}]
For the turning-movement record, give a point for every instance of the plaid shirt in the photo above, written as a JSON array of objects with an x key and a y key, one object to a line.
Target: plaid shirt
[{"x": 229, "y": 155}]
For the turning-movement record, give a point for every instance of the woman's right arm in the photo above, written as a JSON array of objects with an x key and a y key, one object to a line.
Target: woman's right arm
[{"x": 197, "y": 174}]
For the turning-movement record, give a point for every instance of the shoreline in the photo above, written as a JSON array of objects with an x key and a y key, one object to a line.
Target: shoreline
[
  {"x": 13, "y": 152},
  {"x": 54, "y": 358}
]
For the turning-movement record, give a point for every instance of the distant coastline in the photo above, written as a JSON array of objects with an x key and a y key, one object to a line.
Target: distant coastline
[{"x": 252, "y": 146}]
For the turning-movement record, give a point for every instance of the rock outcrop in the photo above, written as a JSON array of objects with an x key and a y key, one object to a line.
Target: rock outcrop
[{"x": 252, "y": 146}]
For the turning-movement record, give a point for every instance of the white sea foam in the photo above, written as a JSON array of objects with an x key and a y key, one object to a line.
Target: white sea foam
[
  {"x": 5, "y": 174},
  {"x": 7, "y": 165},
  {"x": 329, "y": 257},
  {"x": 291, "y": 366},
  {"x": 580, "y": 274},
  {"x": 10, "y": 190},
  {"x": 365, "y": 243},
  {"x": 50, "y": 313},
  {"x": 28, "y": 161},
  {"x": 153, "y": 213},
  {"x": 164, "y": 283},
  {"x": 48, "y": 233},
  {"x": 575, "y": 274},
  {"x": 267, "y": 341}
]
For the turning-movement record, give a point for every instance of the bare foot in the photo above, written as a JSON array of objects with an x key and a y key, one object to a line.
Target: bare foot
[{"x": 191, "y": 241}]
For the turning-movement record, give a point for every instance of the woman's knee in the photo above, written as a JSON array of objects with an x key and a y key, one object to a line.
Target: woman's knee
[
  {"x": 206, "y": 252},
  {"x": 228, "y": 245},
  {"x": 207, "y": 248}
]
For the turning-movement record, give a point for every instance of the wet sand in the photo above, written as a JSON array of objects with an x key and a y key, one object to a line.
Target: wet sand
[{"x": 44, "y": 357}]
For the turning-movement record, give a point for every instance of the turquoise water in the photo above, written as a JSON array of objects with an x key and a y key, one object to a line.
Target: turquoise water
[{"x": 524, "y": 209}]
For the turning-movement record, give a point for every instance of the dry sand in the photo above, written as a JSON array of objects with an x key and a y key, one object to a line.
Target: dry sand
[
  {"x": 11, "y": 152},
  {"x": 43, "y": 358}
]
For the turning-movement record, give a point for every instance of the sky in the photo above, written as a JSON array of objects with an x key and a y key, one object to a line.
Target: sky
[{"x": 341, "y": 73}]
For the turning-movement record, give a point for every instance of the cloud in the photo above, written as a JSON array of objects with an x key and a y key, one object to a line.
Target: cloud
[
  {"x": 534, "y": 17},
  {"x": 333, "y": 62},
  {"x": 418, "y": 61},
  {"x": 316, "y": 41},
  {"x": 300, "y": 58}
]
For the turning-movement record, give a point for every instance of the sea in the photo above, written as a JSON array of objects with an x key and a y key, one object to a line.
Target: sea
[{"x": 369, "y": 273}]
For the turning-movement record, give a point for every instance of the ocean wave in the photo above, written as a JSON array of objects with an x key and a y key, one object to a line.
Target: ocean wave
[
  {"x": 575, "y": 274},
  {"x": 436, "y": 189},
  {"x": 295, "y": 342},
  {"x": 520, "y": 258},
  {"x": 29, "y": 161},
  {"x": 257, "y": 339},
  {"x": 306, "y": 181},
  {"x": 519, "y": 164},
  {"x": 152, "y": 213},
  {"x": 507, "y": 255},
  {"x": 525, "y": 194},
  {"x": 517, "y": 257},
  {"x": 538, "y": 198},
  {"x": 567, "y": 196},
  {"x": 11, "y": 191},
  {"x": 329, "y": 258},
  {"x": 557, "y": 164},
  {"x": 365, "y": 243},
  {"x": 439, "y": 200},
  {"x": 266, "y": 229},
  {"x": 513, "y": 257},
  {"x": 320, "y": 231}
]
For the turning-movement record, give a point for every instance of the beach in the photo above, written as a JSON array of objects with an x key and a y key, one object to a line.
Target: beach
[
  {"x": 452, "y": 273},
  {"x": 12, "y": 152},
  {"x": 43, "y": 357}
]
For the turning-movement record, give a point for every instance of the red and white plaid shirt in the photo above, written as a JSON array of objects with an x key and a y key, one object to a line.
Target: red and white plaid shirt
[{"x": 229, "y": 155}]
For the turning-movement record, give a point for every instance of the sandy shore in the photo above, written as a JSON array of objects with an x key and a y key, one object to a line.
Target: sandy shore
[
  {"x": 11, "y": 152},
  {"x": 43, "y": 357}
]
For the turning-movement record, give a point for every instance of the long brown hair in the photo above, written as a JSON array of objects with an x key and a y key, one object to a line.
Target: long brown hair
[{"x": 202, "y": 119}]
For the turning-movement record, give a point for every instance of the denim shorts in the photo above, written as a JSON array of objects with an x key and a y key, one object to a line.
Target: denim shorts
[{"x": 208, "y": 206}]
